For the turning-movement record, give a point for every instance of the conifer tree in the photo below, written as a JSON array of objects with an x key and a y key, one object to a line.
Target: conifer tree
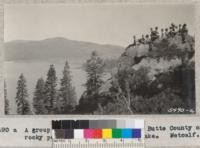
[
  {"x": 6, "y": 100},
  {"x": 67, "y": 91},
  {"x": 90, "y": 98},
  {"x": 50, "y": 91},
  {"x": 23, "y": 106},
  {"x": 95, "y": 70},
  {"x": 38, "y": 99}
]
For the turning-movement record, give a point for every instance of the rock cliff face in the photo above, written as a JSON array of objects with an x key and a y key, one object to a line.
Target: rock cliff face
[
  {"x": 153, "y": 81},
  {"x": 160, "y": 80}
]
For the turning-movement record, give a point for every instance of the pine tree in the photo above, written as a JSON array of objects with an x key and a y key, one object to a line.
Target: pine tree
[
  {"x": 6, "y": 100},
  {"x": 50, "y": 91},
  {"x": 23, "y": 106},
  {"x": 67, "y": 91},
  {"x": 38, "y": 99},
  {"x": 90, "y": 98},
  {"x": 95, "y": 70}
]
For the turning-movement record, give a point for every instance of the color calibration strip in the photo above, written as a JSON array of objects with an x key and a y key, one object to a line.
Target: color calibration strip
[
  {"x": 98, "y": 133},
  {"x": 97, "y": 129}
]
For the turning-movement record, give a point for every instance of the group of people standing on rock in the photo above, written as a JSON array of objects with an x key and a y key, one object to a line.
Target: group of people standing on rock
[{"x": 170, "y": 32}]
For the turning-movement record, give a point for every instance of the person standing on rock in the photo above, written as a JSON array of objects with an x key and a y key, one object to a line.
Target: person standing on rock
[
  {"x": 143, "y": 39},
  {"x": 134, "y": 40},
  {"x": 179, "y": 29},
  {"x": 162, "y": 33},
  {"x": 148, "y": 41},
  {"x": 151, "y": 33},
  {"x": 156, "y": 33},
  {"x": 184, "y": 32},
  {"x": 166, "y": 33},
  {"x": 134, "y": 43},
  {"x": 173, "y": 26},
  {"x": 170, "y": 32},
  {"x": 176, "y": 30},
  {"x": 173, "y": 30}
]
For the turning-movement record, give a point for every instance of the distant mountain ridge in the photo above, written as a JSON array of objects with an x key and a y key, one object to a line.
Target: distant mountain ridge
[{"x": 55, "y": 48}]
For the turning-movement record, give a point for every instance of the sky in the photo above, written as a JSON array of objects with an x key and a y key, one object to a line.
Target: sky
[{"x": 100, "y": 23}]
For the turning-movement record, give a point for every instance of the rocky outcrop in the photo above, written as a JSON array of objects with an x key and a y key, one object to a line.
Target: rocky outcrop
[{"x": 164, "y": 74}]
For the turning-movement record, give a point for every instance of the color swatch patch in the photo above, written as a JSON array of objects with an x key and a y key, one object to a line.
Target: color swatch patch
[
  {"x": 97, "y": 133},
  {"x": 127, "y": 133},
  {"x": 107, "y": 133},
  {"x": 116, "y": 133}
]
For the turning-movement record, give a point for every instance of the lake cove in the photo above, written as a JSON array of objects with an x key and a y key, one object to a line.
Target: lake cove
[{"x": 180, "y": 128}]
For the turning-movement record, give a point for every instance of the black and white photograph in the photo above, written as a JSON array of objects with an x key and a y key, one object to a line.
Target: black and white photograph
[{"x": 99, "y": 59}]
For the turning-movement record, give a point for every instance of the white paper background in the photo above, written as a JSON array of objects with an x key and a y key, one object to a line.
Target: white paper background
[{"x": 12, "y": 140}]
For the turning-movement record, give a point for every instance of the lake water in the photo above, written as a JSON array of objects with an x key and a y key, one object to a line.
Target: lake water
[{"x": 33, "y": 70}]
